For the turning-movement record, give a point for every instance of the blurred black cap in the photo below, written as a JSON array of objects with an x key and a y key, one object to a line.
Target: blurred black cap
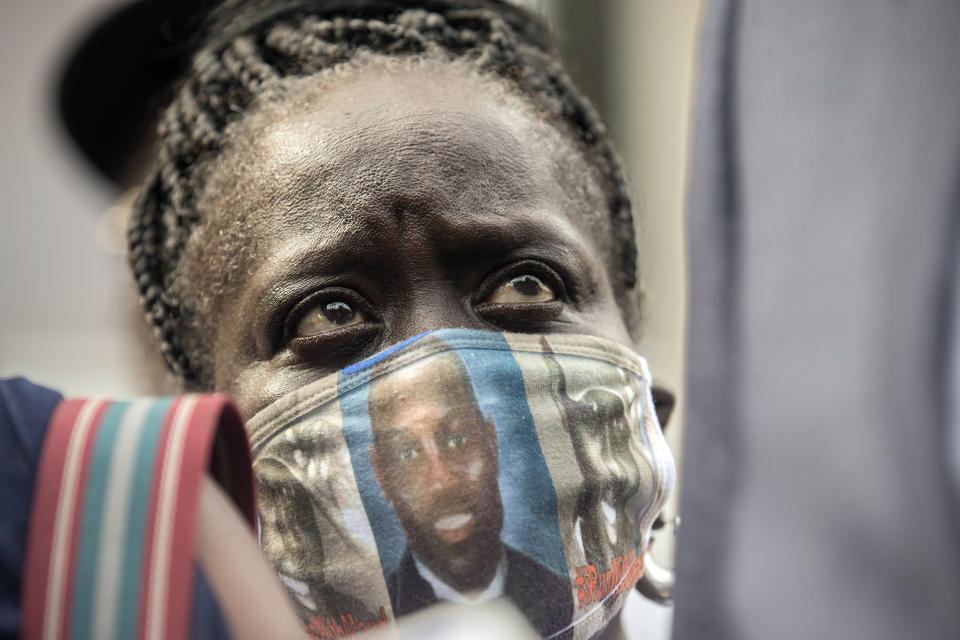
[
  {"x": 123, "y": 71},
  {"x": 121, "y": 74}
]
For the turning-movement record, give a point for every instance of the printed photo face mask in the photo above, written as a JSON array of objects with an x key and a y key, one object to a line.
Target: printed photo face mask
[{"x": 464, "y": 465}]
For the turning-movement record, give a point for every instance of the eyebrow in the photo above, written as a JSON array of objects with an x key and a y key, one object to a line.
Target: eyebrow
[
  {"x": 313, "y": 262},
  {"x": 310, "y": 264},
  {"x": 495, "y": 233},
  {"x": 394, "y": 433}
]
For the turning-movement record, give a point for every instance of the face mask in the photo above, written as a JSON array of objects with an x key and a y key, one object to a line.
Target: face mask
[{"x": 464, "y": 466}]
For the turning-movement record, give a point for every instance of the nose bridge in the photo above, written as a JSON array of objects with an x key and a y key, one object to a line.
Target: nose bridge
[
  {"x": 437, "y": 471},
  {"x": 433, "y": 304}
]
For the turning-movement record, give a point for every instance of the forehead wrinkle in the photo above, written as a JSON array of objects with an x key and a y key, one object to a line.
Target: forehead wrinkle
[
  {"x": 333, "y": 114},
  {"x": 300, "y": 173},
  {"x": 423, "y": 160},
  {"x": 338, "y": 181},
  {"x": 327, "y": 140}
]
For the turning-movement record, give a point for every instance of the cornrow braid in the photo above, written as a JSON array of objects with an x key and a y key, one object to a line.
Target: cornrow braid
[{"x": 250, "y": 44}]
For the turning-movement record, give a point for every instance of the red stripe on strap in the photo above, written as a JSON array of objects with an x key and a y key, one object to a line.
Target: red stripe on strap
[
  {"x": 43, "y": 511},
  {"x": 151, "y": 520},
  {"x": 49, "y": 491},
  {"x": 196, "y": 453}
]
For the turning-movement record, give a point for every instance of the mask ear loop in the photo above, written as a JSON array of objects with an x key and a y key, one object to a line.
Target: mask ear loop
[{"x": 657, "y": 582}]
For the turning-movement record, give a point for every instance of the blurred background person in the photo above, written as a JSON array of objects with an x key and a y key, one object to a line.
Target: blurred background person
[{"x": 821, "y": 454}]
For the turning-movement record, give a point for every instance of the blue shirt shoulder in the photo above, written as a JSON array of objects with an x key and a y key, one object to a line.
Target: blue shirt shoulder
[{"x": 25, "y": 410}]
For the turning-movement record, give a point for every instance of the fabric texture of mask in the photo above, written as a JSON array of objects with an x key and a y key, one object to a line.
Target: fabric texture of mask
[{"x": 464, "y": 465}]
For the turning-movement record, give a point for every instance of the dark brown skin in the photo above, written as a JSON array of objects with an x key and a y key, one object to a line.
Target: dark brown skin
[{"x": 410, "y": 193}]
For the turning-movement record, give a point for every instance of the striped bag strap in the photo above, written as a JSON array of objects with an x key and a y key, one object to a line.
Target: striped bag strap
[{"x": 111, "y": 537}]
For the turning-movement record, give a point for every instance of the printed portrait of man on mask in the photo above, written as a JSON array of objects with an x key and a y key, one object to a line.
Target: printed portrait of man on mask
[{"x": 436, "y": 458}]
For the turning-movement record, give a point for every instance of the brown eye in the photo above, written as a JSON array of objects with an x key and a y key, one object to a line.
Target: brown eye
[
  {"x": 328, "y": 316},
  {"x": 522, "y": 289}
]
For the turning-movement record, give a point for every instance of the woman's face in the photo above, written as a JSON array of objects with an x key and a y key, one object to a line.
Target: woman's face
[{"x": 383, "y": 201}]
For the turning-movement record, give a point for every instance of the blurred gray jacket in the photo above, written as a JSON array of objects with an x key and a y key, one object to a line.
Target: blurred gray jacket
[{"x": 823, "y": 215}]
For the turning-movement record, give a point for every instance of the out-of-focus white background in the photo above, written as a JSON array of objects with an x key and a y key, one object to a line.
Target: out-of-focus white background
[{"x": 68, "y": 317}]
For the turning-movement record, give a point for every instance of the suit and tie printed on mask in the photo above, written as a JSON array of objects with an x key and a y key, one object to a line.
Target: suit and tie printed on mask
[{"x": 464, "y": 465}]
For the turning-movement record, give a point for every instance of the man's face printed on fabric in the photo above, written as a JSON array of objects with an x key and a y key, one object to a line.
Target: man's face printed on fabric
[{"x": 435, "y": 457}]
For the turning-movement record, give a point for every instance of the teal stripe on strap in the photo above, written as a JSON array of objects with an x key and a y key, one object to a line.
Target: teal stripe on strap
[
  {"x": 116, "y": 515},
  {"x": 129, "y": 606},
  {"x": 93, "y": 503}
]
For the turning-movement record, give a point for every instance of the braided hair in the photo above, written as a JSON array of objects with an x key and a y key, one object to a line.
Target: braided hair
[{"x": 251, "y": 44}]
